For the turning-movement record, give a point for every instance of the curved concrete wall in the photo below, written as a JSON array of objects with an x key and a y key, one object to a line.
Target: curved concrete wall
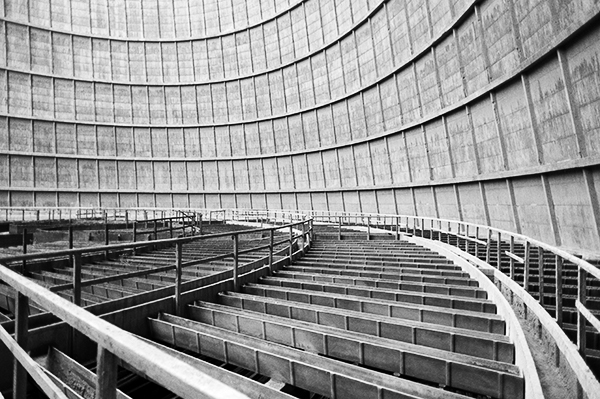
[{"x": 486, "y": 111}]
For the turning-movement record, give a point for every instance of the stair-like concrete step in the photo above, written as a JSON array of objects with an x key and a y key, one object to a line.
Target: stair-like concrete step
[
  {"x": 350, "y": 346},
  {"x": 401, "y": 276},
  {"x": 439, "y": 300},
  {"x": 247, "y": 386},
  {"x": 429, "y": 266},
  {"x": 417, "y": 286},
  {"x": 473, "y": 343},
  {"x": 323, "y": 375},
  {"x": 487, "y": 322},
  {"x": 400, "y": 268},
  {"x": 376, "y": 260}
]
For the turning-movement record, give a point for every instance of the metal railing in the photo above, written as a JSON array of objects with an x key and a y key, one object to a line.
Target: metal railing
[
  {"x": 467, "y": 235},
  {"x": 114, "y": 343}
]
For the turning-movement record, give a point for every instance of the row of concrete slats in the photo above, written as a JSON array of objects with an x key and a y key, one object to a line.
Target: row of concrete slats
[{"x": 354, "y": 336}]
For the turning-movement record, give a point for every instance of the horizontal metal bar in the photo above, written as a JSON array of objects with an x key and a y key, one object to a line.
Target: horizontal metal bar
[
  {"x": 177, "y": 376},
  {"x": 514, "y": 257},
  {"x": 587, "y": 314},
  {"x": 139, "y": 244}
]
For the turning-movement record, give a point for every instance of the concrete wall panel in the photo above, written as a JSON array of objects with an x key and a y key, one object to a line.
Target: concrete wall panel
[{"x": 499, "y": 205}]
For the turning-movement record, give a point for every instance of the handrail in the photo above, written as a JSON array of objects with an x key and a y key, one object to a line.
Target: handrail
[
  {"x": 179, "y": 377},
  {"x": 114, "y": 343},
  {"x": 464, "y": 230}
]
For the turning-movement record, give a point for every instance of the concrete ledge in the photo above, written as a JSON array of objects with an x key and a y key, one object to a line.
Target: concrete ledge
[{"x": 523, "y": 357}]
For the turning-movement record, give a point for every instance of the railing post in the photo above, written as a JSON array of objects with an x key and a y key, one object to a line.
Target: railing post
[
  {"x": 178, "y": 274},
  {"x": 37, "y": 215},
  {"x": 368, "y": 228},
  {"x": 271, "y": 251},
  {"x": 126, "y": 219},
  {"x": 106, "y": 386},
  {"x": 559, "y": 289},
  {"x": 488, "y": 248},
  {"x": 431, "y": 230},
  {"x": 526, "y": 266},
  {"x": 200, "y": 224},
  {"x": 24, "y": 267},
  {"x": 467, "y": 238},
  {"x": 70, "y": 241},
  {"x": 541, "y": 274},
  {"x": 581, "y": 323},
  {"x": 499, "y": 250},
  {"x": 512, "y": 261},
  {"x": 106, "y": 238},
  {"x": 155, "y": 233},
  {"x": 397, "y": 229},
  {"x": 235, "y": 263},
  {"x": 171, "y": 227},
  {"x": 134, "y": 237},
  {"x": 339, "y": 229},
  {"x": 21, "y": 333},
  {"x": 476, "y": 243},
  {"x": 291, "y": 243},
  {"x": 77, "y": 279},
  {"x": 423, "y": 227}
]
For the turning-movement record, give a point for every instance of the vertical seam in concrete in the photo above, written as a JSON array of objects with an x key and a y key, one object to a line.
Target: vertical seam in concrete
[
  {"x": 337, "y": 157},
  {"x": 319, "y": 7},
  {"x": 248, "y": 176},
  {"x": 294, "y": 186},
  {"x": 400, "y": 114},
  {"x": 373, "y": 47},
  {"x": 189, "y": 21},
  {"x": 515, "y": 29},
  {"x": 388, "y": 29},
  {"x": 289, "y": 136},
  {"x": 461, "y": 66},
  {"x": 307, "y": 171},
  {"x": 499, "y": 130},
  {"x": 410, "y": 174},
  {"x": 389, "y": 159},
  {"x": 449, "y": 146},
  {"x": 262, "y": 169},
  {"x": 360, "y": 205},
  {"x": 551, "y": 210},
  {"x": 358, "y": 69},
  {"x": 593, "y": 198},
  {"x": 532, "y": 120},
  {"x": 336, "y": 16},
  {"x": 371, "y": 163},
  {"x": 573, "y": 110},
  {"x": 474, "y": 140},
  {"x": 323, "y": 170},
  {"x": 483, "y": 47},
  {"x": 425, "y": 144},
  {"x": 438, "y": 81},
  {"x": 354, "y": 163},
  {"x": 233, "y": 177},
  {"x": 414, "y": 201},
  {"x": 435, "y": 201},
  {"x": 417, "y": 88},
  {"x": 458, "y": 202},
  {"x": 429, "y": 22},
  {"x": 513, "y": 205},
  {"x": 278, "y": 174},
  {"x": 318, "y": 129},
  {"x": 408, "y": 30},
  {"x": 486, "y": 211}
]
